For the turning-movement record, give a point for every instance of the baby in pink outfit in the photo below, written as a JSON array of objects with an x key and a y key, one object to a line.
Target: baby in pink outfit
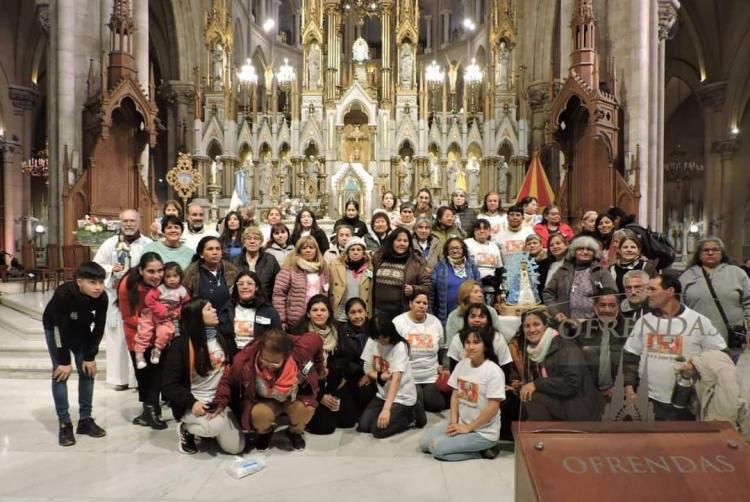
[{"x": 156, "y": 326}]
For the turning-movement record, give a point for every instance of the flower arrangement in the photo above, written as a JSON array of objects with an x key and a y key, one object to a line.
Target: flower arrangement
[{"x": 93, "y": 230}]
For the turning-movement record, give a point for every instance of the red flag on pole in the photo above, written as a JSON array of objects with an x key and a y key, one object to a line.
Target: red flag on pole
[{"x": 536, "y": 184}]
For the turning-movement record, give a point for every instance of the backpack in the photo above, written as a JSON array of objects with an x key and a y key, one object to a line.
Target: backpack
[{"x": 655, "y": 246}]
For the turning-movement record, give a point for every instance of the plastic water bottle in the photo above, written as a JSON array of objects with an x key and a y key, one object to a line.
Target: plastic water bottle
[{"x": 244, "y": 466}]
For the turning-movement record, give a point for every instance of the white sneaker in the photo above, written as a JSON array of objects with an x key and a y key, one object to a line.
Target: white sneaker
[
  {"x": 155, "y": 355},
  {"x": 140, "y": 362}
]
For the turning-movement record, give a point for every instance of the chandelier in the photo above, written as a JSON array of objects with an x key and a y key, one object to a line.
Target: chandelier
[
  {"x": 473, "y": 74},
  {"x": 247, "y": 74},
  {"x": 285, "y": 75},
  {"x": 435, "y": 76},
  {"x": 679, "y": 169},
  {"x": 37, "y": 166}
]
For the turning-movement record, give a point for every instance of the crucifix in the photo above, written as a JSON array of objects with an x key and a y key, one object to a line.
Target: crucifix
[{"x": 356, "y": 135}]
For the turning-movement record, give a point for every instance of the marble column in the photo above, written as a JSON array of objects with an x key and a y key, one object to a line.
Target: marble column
[
  {"x": 712, "y": 97},
  {"x": 386, "y": 8},
  {"x": 62, "y": 94},
  {"x": 140, "y": 51},
  {"x": 428, "y": 25},
  {"x": 332, "y": 70},
  {"x": 667, "y": 17},
  {"x": 731, "y": 198},
  {"x": 17, "y": 184}
]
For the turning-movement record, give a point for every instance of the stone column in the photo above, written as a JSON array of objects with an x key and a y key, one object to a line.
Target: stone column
[
  {"x": 428, "y": 24},
  {"x": 18, "y": 185},
  {"x": 712, "y": 97},
  {"x": 538, "y": 96},
  {"x": 332, "y": 71},
  {"x": 731, "y": 198},
  {"x": 667, "y": 18},
  {"x": 140, "y": 51},
  {"x": 386, "y": 6}
]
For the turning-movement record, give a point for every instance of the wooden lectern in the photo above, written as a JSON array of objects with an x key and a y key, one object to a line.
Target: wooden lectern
[{"x": 631, "y": 461}]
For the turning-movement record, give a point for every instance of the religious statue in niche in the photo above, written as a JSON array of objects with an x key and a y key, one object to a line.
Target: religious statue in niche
[
  {"x": 406, "y": 64},
  {"x": 313, "y": 167},
  {"x": 313, "y": 66},
  {"x": 452, "y": 176},
  {"x": 217, "y": 67},
  {"x": 249, "y": 167},
  {"x": 436, "y": 177},
  {"x": 502, "y": 178},
  {"x": 503, "y": 65},
  {"x": 266, "y": 177},
  {"x": 472, "y": 168},
  {"x": 286, "y": 170},
  {"x": 268, "y": 78},
  {"x": 452, "y": 75},
  {"x": 407, "y": 177},
  {"x": 360, "y": 51}
]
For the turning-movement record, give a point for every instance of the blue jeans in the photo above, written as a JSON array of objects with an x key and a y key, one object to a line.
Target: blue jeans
[
  {"x": 453, "y": 448},
  {"x": 60, "y": 389}
]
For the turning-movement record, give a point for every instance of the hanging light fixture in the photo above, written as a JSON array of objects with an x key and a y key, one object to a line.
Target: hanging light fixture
[
  {"x": 248, "y": 78},
  {"x": 285, "y": 76},
  {"x": 37, "y": 166},
  {"x": 473, "y": 75},
  {"x": 435, "y": 76}
]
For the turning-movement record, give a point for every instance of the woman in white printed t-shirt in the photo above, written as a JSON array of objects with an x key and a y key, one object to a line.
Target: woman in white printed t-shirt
[
  {"x": 247, "y": 315},
  {"x": 477, "y": 316},
  {"x": 386, "y": 362},
  {"x": 478, "y": 386},
  {"x": 424, "y": 332}
]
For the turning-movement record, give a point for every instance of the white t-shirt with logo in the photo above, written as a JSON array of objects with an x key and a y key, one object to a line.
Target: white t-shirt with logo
[
  {"x": 511, "y": 242},
  {"x": 498, "y": 222},
  {"x": 475, "y": 387},
  {"x": 244, "y": 326},
  {"x": 486, "y": 256},
  {"x": 393, "y": 358},
  {"x": 425, "y": 339},
  {"x": 659, "y": 340},
  {"x": 204, "y": 388},
  {"x": 456, "y": 349}
]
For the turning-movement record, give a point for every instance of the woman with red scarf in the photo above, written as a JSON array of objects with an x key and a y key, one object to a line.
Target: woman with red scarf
[{"x": 277, "y": 373}]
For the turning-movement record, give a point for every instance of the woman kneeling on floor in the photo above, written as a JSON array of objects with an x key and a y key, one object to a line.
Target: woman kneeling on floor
[
  {"x": 478, "y": 390},
  {"x": 194, "y": 367},
  {"x": 277, "y": 373},
  {"x": 386, "y": 361}
]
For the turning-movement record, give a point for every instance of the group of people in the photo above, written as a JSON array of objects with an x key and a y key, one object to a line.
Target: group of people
[{"x": 243, "y": 327}]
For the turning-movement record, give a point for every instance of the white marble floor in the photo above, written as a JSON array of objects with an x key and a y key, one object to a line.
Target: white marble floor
[{"x": 135, "y": 463}]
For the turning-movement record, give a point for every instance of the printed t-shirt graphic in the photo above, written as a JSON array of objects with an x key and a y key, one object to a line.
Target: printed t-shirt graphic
[
  {"x": 468, "y": 392},
  {"x": 379, "y": 363},
  {"x": 663, "y": 346}
]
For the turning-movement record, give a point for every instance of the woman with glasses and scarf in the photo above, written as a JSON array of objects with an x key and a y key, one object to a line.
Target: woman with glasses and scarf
[{"x": 450, "y": 272}]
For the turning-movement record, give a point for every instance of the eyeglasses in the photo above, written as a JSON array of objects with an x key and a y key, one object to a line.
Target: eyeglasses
[{"x": 710, "y": 250}]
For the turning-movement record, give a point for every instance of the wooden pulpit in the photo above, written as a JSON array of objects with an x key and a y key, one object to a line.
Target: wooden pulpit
[{"x": 630, "y": 461}]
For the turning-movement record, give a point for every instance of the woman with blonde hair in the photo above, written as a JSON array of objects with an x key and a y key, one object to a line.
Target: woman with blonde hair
[
  {"x": 468, "y": 293},
  {"x": 303, "y": 276},
  {"x": 255, "y": 259}
]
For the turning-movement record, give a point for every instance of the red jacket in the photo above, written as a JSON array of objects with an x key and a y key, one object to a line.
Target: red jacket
[
  {"x": 240, "y": 376},
  {"x": 542, "y": 231},
  {"x": 290, "y": 292},
  {"x": 130, "y": 315}
]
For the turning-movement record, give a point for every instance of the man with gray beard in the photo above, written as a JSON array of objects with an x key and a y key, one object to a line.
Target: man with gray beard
[{"x": 116, "y": 255}]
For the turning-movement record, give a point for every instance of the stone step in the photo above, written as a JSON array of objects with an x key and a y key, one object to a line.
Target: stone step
[
  {"x": 35, "y": 363},
  {"x": 31, "y": 304},
  {"x": 21, "y": 323}
]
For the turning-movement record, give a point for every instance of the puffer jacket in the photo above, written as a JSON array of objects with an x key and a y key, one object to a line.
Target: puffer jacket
[
  {"x": 266, "y": 268},
  {"x": 542, "y": 231},
  {"x": 732, "y": 286},
  {"x": 556, "y": 294},
  {"x": 290, "y": 291},
  {"x": 467, "y": 217},
  {"x": 238, "y": 379},
  {"x": 338, "y": 283},
  {"x": 439, "y": 297}
]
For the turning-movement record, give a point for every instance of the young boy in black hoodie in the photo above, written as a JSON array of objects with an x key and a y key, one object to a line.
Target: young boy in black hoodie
[{"x": 74, "y": 322}]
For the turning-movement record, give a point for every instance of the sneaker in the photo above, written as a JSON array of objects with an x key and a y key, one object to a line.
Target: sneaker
[
  {"x": 262, "y": 441},
  {"x": 155, "y": 355},
  {"x": 88, "y": 426},
  {"x": 122, "y": 387},
  {"x": 491, "y": 452},
  {"x": 187, "y": 441},
  {"x": 66, "y": 437},
  {"x": 140, "y": 361},
  {"x": 297, "y": 440}
]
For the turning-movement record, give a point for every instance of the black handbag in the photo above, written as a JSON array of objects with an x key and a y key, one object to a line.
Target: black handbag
[{"x": 736, "y": 335}]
